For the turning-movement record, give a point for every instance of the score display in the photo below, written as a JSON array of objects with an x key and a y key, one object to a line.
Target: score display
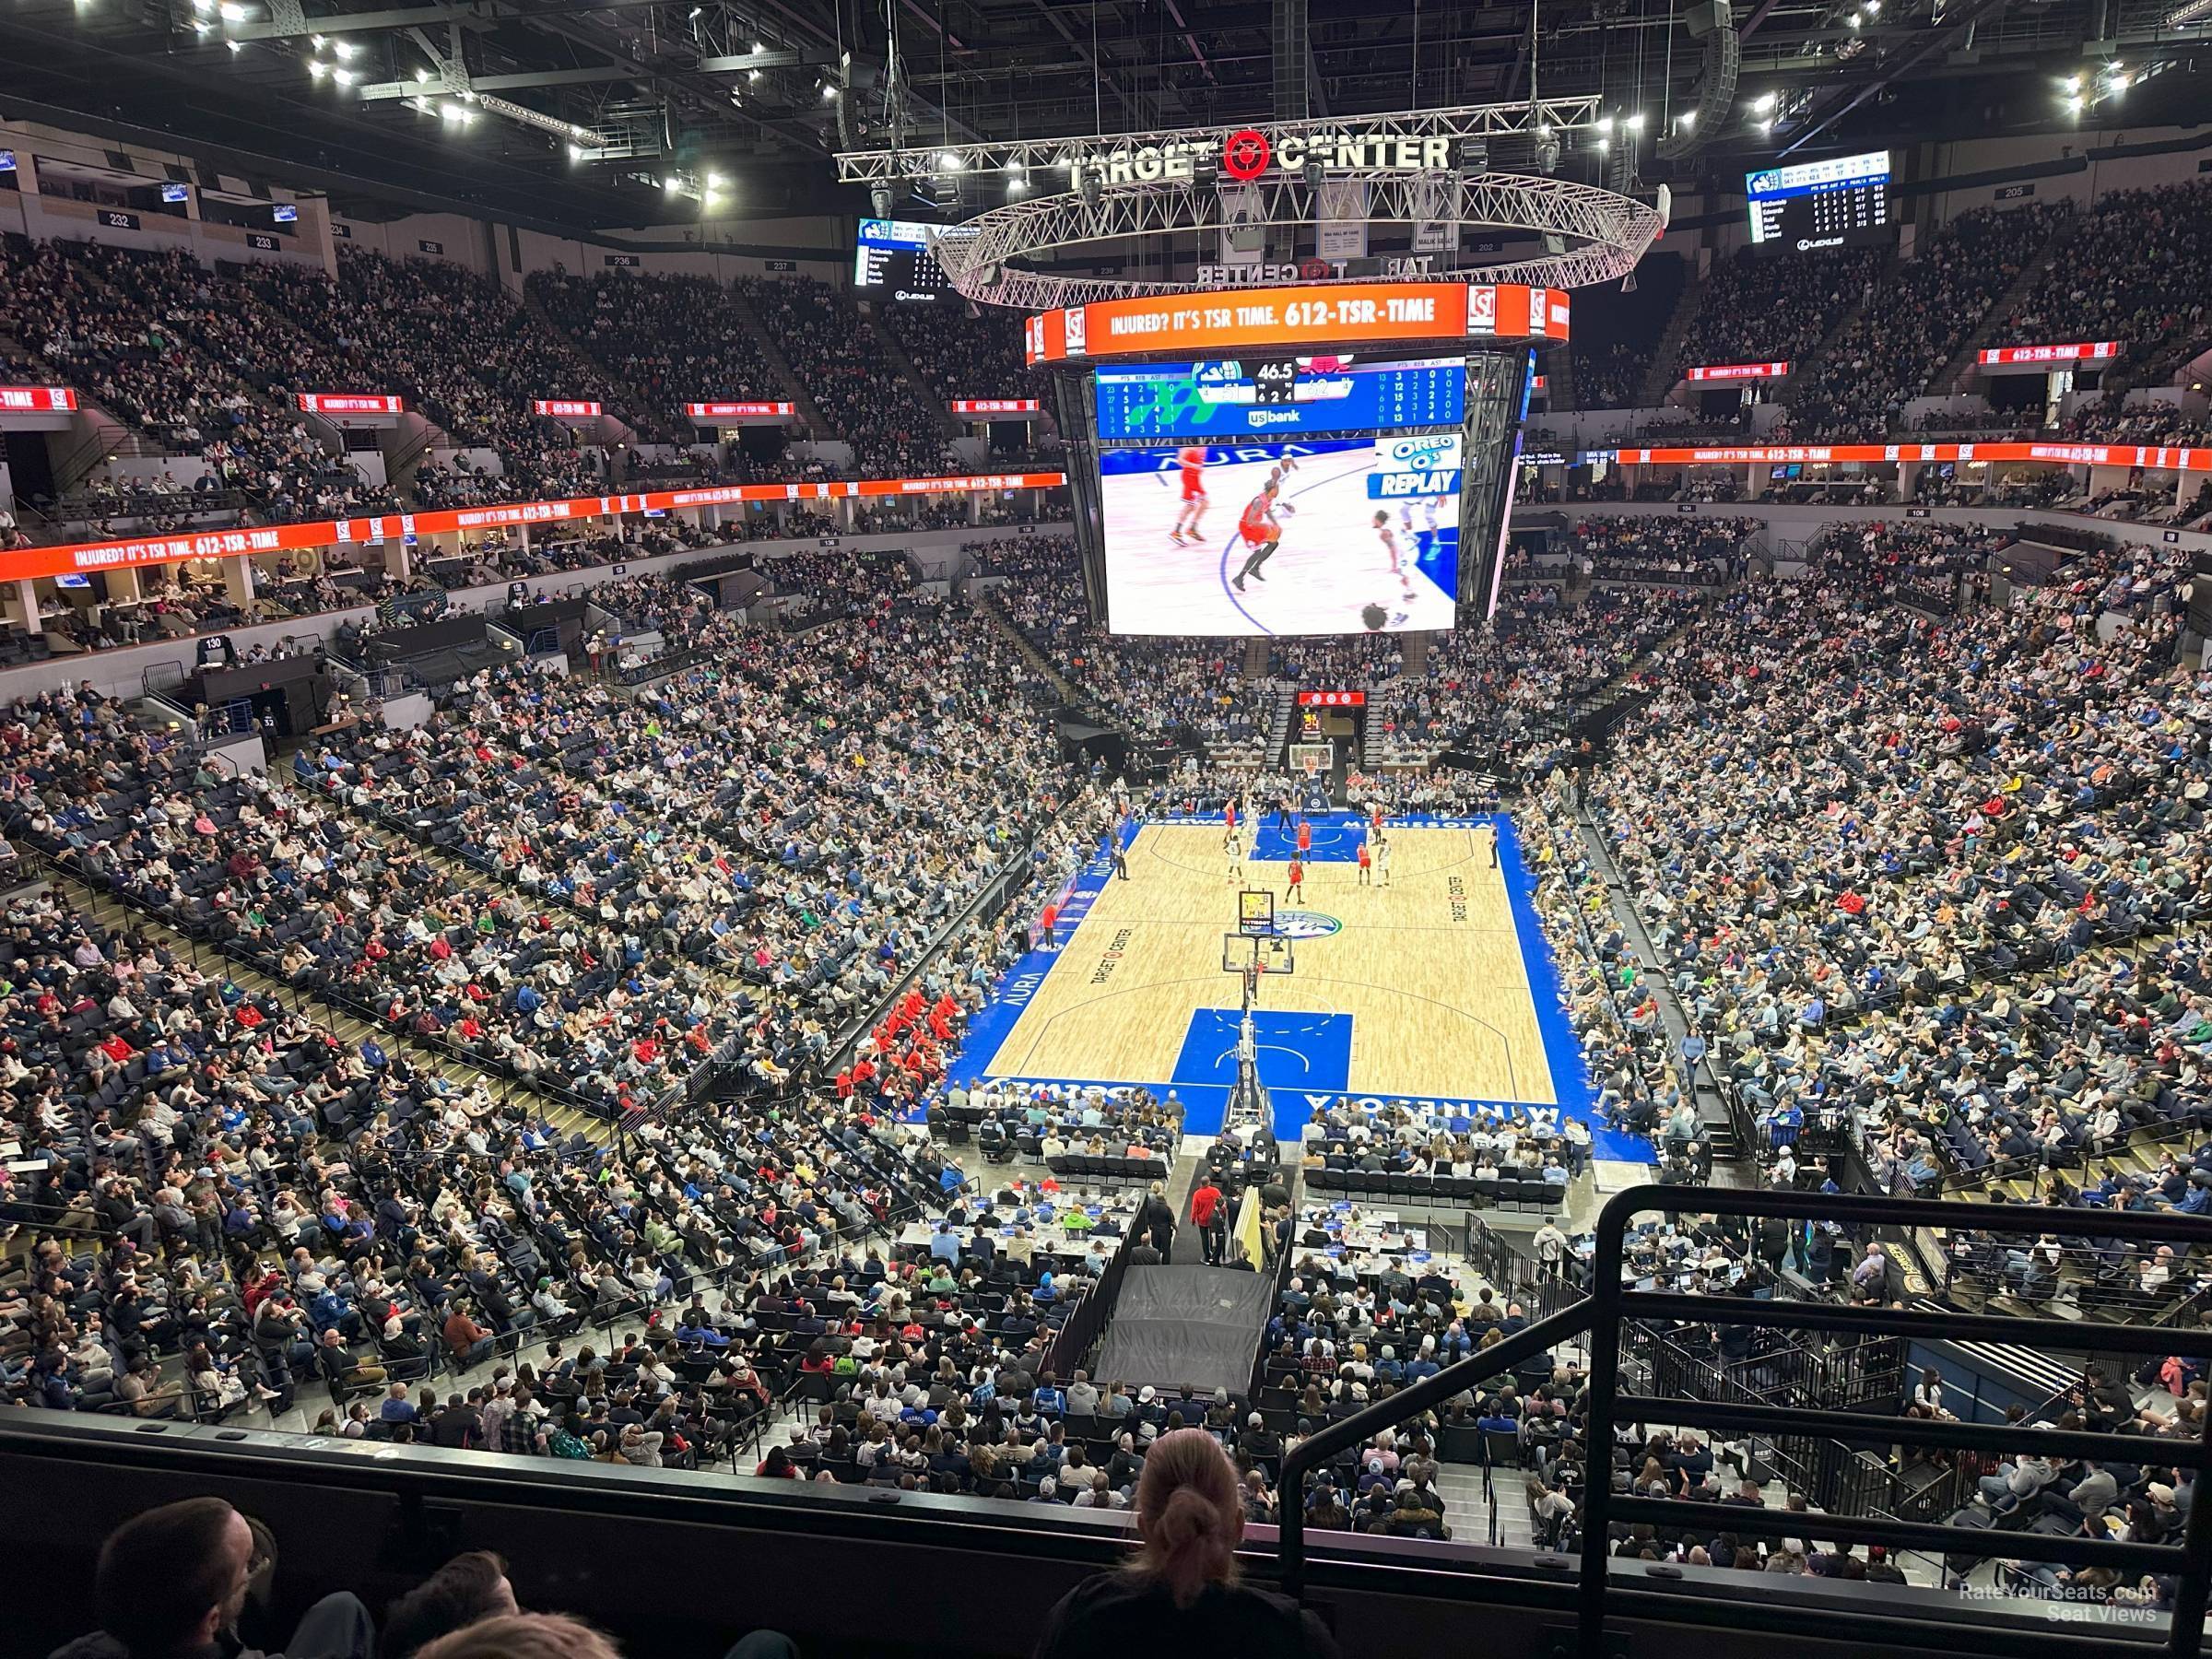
[
  {"x": 1813, "y": 200},
  {"x": 894, "y": 255},
  {"x": 1231, "y": 398}
]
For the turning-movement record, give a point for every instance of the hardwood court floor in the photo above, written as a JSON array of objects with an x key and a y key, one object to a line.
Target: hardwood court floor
[{"x": 1429, "y": 970}]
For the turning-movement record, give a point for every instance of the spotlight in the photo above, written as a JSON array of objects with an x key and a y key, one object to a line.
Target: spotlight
[
  {"x": 948, "y": 161},
  {"x": 716, "y": 182},
  {"x": 1548, "y": 150},
  {"x": 1604, "y": 123},
  {"x": 575, "y": 152},
  {"x": 317, "y": 68},
  {"x": 1090, "y": 189},
  {"x": 1634, "y": 123},
  {"x": 1764, "y": 104},
  {"x": 829, "y": 94},
  {"x": 345, "y": 77},
  {"x": 234, "y": 45},
  {"x": 345, "y": 49},
  {"x": 880, "y": 198},
  {"x": 232, "y": 14}
]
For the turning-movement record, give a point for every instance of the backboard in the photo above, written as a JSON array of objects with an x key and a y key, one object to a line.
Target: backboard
[{"x": 1274, "y": 953}]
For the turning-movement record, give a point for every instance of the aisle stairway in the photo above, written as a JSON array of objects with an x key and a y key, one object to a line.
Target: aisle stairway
[
  {"x": 1952, "y": 377},
  {"x": 946, "y": 425},
  {"x": 741, "y": 305},
  {"x": 1660, "y": 377}
]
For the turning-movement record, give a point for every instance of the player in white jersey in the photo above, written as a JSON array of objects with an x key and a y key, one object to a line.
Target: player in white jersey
[{"x": 1398, "y": 568}]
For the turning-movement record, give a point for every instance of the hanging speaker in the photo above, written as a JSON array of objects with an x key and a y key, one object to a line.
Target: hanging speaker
[{"x": 1716, "y": 95}]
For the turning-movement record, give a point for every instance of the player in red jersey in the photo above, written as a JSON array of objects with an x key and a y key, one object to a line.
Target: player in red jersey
[
  {"x": 1190, "y": 460},
  {"x": 1262, "y": 532}
]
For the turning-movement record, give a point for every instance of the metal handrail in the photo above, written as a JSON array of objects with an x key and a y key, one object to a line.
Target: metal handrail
[
  {"x": 1610, "y": 1302},
  {"x": 1524, "y": 1344}
]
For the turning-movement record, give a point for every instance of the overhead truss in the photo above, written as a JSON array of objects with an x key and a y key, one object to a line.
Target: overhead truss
[
  {"x": 1541, "y": 119},
  {"x": 1598, "y": 235}
]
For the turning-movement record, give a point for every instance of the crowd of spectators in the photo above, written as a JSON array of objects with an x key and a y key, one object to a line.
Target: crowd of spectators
[
  {"x": 1931, "y": 304},
  {"x": 670, "y": 340},
  {"x": 462, "y": 351},
  {"x": 855, "y": 382},
  {"x": 960, "y": 356},
  {"x": 1761, "y": 308},
  {"x": 1909, "y": 921},
  {"x": 2141, "y": 279},
  {"x": 1164, "y": 688}
]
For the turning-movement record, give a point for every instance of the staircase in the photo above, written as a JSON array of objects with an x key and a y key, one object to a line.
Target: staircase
[
  {"x": 1659, "y": 379},
  {"x": 1558, "y": 376},
  {"x": 988, "y": 606},
  {"x": 1835, "y": 331},
  {"x": 1278, "y": 727},
  {"x": 1951, "y": 379},
  {"x": 793, "y": 388},
  {"x": 947, "y": 426},
  {"x": 543, "y": 319}
]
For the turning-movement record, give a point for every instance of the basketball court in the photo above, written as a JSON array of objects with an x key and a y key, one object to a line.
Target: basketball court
[{"x": 1436, "y": 988}]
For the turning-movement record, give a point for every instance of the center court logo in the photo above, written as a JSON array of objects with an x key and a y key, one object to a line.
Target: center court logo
[{"x": 1305, "y": 924}]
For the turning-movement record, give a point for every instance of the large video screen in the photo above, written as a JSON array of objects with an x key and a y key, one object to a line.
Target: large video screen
[
  {"x": 1322, "y": 535},
  {"x": 1258, "y": 398},
  {"x": 894, "y": 255},
  {"x": 1812, "y": 201}
]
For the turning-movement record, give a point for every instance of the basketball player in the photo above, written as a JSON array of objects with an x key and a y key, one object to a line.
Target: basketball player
[
  {"x": 1423, "y": 539},
  {"x": 1366, "y": 865},
  {"x": 1233, "y": 855},
  {"x": 1298, "y": 880},
  {"x": 1191, "y": 461},
  {"x": 1397, "y": 565},
  {"x": 1382, "y": 859},
  {"x": 1263, "y": 533}
]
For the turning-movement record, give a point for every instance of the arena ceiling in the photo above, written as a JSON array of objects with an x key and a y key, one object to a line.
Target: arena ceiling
[{"x": 572, "y": 115}]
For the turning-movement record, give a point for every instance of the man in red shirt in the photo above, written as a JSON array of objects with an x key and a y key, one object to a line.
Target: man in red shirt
[
  {"x": 1305, "y": 836},
  {"x": 1209, "y": 1214},
  {"x": 1298, "y": 877},
  {"x": 1366, "y": 867},
  {"x": 1050, "y": 920}
]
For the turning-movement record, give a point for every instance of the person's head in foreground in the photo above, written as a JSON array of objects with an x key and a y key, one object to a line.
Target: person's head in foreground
[
  {"x": 1190, "y": 1514},
  {"x": 523, "y": 1636},
  {"x": 171, "y": 1580},
  {"x": 1183, "y": 1585},
  {"x": 468, "y": 1588}
]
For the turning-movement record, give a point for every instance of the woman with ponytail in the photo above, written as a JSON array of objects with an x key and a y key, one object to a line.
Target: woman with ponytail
[{"x": 1182, "y": 1589}]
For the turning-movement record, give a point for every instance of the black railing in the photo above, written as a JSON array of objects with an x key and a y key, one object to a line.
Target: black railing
[
  {"x": 1892, "y": 1516},
  {"x": 1612, "y": 1302}
]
